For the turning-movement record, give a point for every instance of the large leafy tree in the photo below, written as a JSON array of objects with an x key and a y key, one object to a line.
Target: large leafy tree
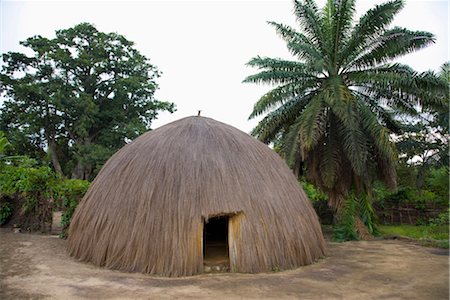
[
  {"x": 80, "y": 96},
  {"x": 334, "y": 107}
]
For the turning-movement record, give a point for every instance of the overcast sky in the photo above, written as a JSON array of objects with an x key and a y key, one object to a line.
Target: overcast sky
[{"x": 202, "y": 46}]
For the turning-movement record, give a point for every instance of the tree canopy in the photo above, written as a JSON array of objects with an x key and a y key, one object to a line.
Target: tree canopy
[
  {"x": 334, "y": 108},
  {"x": 79, "y": 97}
]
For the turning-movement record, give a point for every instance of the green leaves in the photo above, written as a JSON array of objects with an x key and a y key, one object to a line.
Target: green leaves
[
  {"x": 281, "y": 95},
  {"x": 3, "y": 143},
  {"x": 335, "y": 109},
  {"x": 309, "y": 20},
  {"x": 273, "y": 98},
  {"x": 370, "y": 25},
  {"x": 311, "y": 124},
  {"x": 393, "y": 43},
  {"x": 76, "y": 90},
  {"x": 280, "y": 118},
  {"x": 42, "y": 191}
]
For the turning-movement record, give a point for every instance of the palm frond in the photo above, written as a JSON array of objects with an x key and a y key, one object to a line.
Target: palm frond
[
  {"x": 275, "y": 77},
  {"x": 270, "y": 126},
  {"x": 370, "y": 25},
  {"x": 331, "y": 156},
  {"x": 433, "y": 91},
  {"x": 392, "y": 44},
  {"x": 386, "y": 171},
  {"x": 311, "y": 124},
  {"x": 297, "y": 43},
  {"x": 401, "y": 86},
  {"x": 386, "y": 116},
  {"x": 282, "y": 94},
  {"x": 353, "y": 138},
  {"x": 380, "y": 135},
  {"x": 307, "y": 15},
  {"x": 291, "y": 145},
  {"x": 342, "y": 21}
]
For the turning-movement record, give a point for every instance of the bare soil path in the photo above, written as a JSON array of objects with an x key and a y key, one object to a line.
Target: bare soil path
[{"x": 37, "y": 267}]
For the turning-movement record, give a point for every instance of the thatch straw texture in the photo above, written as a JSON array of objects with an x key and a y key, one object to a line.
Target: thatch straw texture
[{"x": 144, "y": 212}]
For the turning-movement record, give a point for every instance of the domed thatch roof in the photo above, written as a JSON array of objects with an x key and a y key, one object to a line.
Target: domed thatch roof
[{"x": 144, "y": 211}]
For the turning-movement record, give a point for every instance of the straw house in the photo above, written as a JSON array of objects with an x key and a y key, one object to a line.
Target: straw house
[{"x": 194, "y": 186}]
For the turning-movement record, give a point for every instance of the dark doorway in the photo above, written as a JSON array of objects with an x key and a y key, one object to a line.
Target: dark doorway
[{"x": 215, "y": 244}]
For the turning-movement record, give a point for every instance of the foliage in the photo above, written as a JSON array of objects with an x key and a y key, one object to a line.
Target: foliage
[
  {"x": 5, "y": 212},
  {"x": 314, "y": 194},
  {"x": 81, "y": 95},
  {"x": 437, "y": 182},
  {"x": 441, "y": 220},
  {"x": 69, "y": 192},
  {"x": 335, "y": 107},
  {"x": 345, "y": 230},
  {"x": 3, "y": 144},
  {"x": 354, "y": 209},
  {"x": 434, "y": 192},
  {"x": 42, "y": 190},
  {"x": 35, "y": 184},
  {"x": 380, "y": 192},
  {"x": 367, "y": 214},
  {"x": 319, "y": 201}
]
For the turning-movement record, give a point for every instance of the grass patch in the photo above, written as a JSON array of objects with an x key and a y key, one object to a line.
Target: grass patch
[{"x": 434, "y": 236}]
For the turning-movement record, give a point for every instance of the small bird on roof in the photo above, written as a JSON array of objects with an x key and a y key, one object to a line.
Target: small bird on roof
[{"x": 198, "y": 115}]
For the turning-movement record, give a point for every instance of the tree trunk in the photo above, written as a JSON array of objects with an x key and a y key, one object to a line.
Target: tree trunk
[
  {"x": 54, "y": 156},
  {"x": 297, "y": 168},
  {"x": 420, "y": 179},
  {"x": 81, "y": 171}
]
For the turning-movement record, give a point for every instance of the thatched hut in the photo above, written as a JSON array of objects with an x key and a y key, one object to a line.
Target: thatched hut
[{"x": 165, "y": 199}]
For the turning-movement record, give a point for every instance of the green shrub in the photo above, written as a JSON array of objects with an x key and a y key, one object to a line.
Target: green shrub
[
  {"x": 437, "y": 182},
  {"x": 69, "y": 192},
  {"x": 42, "y": 191},
  {"x": 5, "y": 212},
  {"x": 380, "y": 193},
  {"x": 312, "y": 192},
  {"x": 34, "y": 184},
  {"x": 441, "y": 220},
  {"x": 319, "y": 201}
]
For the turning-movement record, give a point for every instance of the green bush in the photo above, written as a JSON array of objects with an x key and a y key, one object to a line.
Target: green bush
[
  {"x": 69, "y": 192},
  {"x": 5, "y": 212},
  {"x": 441, "y": 220},
  {"x": 42, "y": 190},
  {"x": 437, "y": 182},
  {"x": 34, "y": 184},
  {"x": 314, "y": 194},
  {"x": 435, "y": 191}
]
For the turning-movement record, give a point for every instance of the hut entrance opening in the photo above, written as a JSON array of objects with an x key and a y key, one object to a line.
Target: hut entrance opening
[{"x": 215, "y": 244}]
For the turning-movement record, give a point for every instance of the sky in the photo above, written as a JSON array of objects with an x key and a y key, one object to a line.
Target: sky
[{"x": 202, "y": 47}]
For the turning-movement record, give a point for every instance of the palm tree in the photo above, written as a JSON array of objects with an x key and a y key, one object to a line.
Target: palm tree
[{"x": 334, "y": 108}]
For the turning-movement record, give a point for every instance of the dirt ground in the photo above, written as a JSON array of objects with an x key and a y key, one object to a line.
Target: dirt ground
[{"x": 37, "y": 267}]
